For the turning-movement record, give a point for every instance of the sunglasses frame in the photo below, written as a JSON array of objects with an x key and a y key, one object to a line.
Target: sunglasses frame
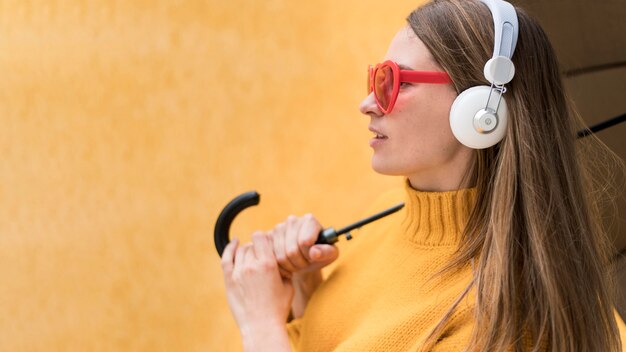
[{"x": 400, "y": 76}]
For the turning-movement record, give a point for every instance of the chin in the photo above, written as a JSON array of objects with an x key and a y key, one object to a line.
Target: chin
[{"x": 387, "y": 167}]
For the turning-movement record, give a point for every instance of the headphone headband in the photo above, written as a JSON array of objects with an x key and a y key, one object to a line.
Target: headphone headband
[
  {"x": 478, "y": 116},
  {"x": 505, "y": 26}
]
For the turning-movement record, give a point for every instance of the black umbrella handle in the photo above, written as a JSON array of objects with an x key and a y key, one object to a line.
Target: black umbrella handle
[{"x": 228, "y": 214}]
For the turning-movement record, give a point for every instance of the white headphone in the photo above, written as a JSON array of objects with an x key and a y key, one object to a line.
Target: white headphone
[{"x": 478, "y": 116}]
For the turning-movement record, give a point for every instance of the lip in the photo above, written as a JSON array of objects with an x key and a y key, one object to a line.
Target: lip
[
  {"x": 374, "y": 142},
  {"x": 376, "y": 130}
]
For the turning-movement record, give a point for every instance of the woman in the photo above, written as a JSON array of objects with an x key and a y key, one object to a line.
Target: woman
[{"x": 498, "y": 247}]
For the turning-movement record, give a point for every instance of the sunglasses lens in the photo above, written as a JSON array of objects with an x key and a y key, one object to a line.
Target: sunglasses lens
[{"x": 383, "y": 86}]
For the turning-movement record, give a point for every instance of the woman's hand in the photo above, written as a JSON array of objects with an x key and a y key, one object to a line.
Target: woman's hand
[
  {"x": 295, "y": 248},
  {"x": 300, "y": 259},
  {"x": 259, "y": 298}
]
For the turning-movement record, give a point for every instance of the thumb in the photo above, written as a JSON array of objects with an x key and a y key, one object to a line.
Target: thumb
[{"x": 323, "y": 252}]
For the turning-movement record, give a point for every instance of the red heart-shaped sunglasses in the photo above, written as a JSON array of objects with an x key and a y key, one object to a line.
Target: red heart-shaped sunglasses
[{"x": 385, "y": 79}]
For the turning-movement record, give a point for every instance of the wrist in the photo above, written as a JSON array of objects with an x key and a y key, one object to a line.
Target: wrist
[
  {"x": 268, "y": 336},
  {"x": 304, "y": 285},
  {"x": 252, "y": 330},
  {"x": 307, "y": 279}
]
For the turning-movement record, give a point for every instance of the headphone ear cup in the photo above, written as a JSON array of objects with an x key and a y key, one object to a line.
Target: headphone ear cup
[{"x": 462, "y": 118}]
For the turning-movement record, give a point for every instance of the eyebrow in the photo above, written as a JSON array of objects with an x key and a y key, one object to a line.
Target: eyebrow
[{"x": 404, "y": 67}]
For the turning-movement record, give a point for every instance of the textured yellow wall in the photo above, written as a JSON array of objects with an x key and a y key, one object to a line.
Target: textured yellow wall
[{"x": 128, "y": 125}]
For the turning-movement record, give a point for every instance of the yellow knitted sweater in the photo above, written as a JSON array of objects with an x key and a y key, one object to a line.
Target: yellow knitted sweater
[{"x": 382, "y": 294}]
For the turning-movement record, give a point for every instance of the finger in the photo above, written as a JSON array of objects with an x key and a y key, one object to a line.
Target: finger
[
  {"x": 240, "y": 258},
  {"x": 283, "y": 273},
  {"x": 248, "y": 256},
  {"x": 254, "y": 242},
  {"x": 294, "y": 254},
  {"x": 228, "y": 256},
  {"x": 307, "y": 235},
  {"x": 263, "y": 248},
  {"x": 323, "y": 253},
  {"x": 270, "y": 245},
  {"x": 309, "y": 232},
  {"x": 279, "y": 248}
]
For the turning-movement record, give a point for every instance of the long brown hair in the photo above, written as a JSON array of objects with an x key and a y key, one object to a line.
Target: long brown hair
[{"x": 541, "y": 256}]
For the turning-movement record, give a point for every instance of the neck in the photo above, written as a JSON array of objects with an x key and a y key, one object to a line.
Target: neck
[{"x": 449, "y": 176}]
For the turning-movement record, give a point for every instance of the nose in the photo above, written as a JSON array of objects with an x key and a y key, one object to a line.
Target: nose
[{"x": 369, "y": 107}]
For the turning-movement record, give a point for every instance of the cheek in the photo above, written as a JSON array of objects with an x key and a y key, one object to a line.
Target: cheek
[
  {"x": 427, "y": 116},
  {"x": 424, "y": 124}
]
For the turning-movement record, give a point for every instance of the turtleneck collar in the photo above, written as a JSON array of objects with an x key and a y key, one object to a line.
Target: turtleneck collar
[{"x": 436, "y": 218}]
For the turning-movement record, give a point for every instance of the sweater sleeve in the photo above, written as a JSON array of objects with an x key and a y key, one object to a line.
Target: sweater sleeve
[{"x": 293, "y": 331}]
